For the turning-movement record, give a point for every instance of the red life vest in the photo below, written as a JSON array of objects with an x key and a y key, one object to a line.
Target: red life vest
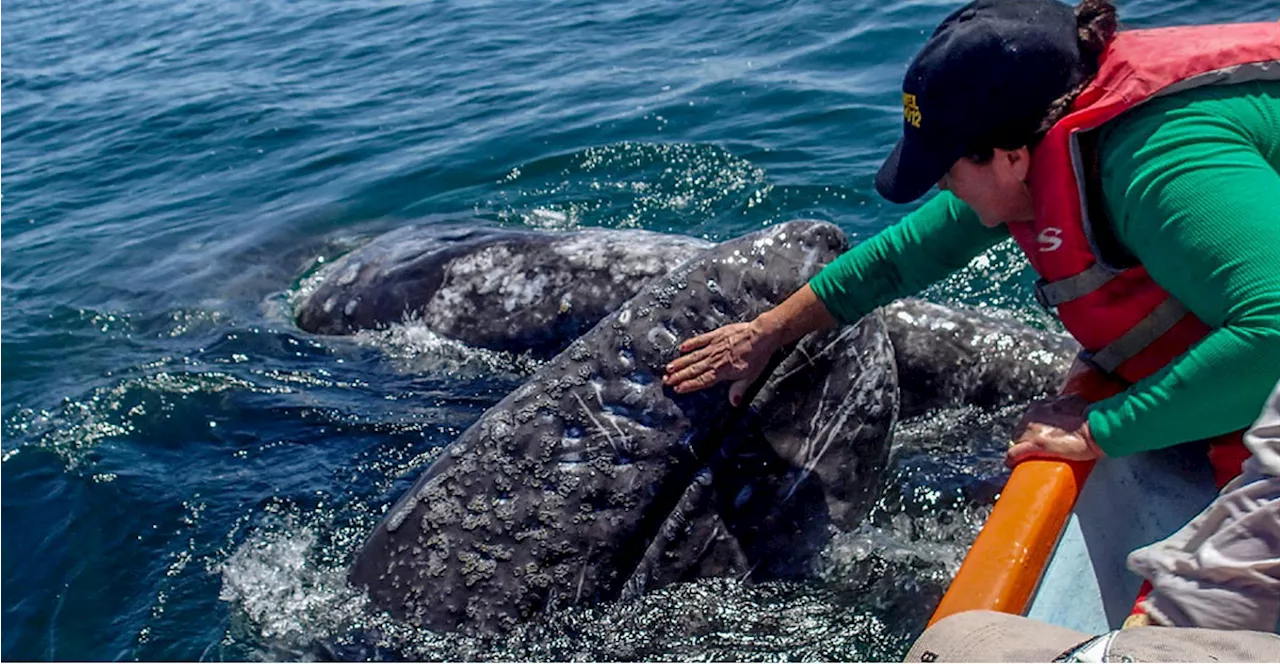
[{"x": 1129, "y": 326}]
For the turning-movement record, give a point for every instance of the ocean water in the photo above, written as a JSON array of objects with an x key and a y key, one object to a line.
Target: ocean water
[{"x": 185, "y": 473}]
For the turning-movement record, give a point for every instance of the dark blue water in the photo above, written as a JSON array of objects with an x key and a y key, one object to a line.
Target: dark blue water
[{"x": 185, "y": 472}]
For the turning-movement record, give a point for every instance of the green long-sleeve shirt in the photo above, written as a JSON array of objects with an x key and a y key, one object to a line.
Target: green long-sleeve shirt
[{"x": 1192, "y": 186}]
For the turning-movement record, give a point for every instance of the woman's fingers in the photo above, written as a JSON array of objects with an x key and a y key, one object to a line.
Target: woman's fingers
[
  {"x": 701, "y": 381},
  {"x": 702, "y": 340},
  {"x": 1060, "y": 449},
  {"x": 683, "y": 362},
  {"x": 1020, "y": 452},
  {"x": 1046, "y": 441},
  {"x": 702, "y": 347},
  {"x": 717, "y": 356},
  {"x": 702, "y": 367}
]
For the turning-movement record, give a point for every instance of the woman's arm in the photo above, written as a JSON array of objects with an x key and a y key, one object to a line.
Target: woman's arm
[
  {"x": 927, "y": 245},
  {"x": 932, "y": 242}
]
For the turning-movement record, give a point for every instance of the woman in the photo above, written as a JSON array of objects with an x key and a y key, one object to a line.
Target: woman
[{"x": 1139, "y": 173}]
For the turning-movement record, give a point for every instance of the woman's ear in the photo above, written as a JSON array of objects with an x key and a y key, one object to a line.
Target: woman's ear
[{"x": 1018, "y": 161}]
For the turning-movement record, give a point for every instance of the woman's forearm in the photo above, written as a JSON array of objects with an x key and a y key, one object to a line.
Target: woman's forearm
[
  {"x": 797, "y": 316},
  {"x": 1217, "y": 387},
  {"x": 903, "y": 259}
]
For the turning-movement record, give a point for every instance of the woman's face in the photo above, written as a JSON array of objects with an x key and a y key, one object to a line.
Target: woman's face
[{"x": 996, "y": 189}]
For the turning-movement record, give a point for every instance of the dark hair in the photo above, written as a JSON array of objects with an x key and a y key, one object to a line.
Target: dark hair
[{"x": 1096, "y": 26}]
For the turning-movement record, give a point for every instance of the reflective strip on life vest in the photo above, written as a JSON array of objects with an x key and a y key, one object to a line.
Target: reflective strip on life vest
[
  {"x": 1160, "y": 320},
  {"x": 1052, "y": 293},
  {"x": 1266, "y": 70}
]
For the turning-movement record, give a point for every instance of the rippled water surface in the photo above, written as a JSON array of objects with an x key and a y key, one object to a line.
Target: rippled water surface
[{"x": 185, "y": 473}]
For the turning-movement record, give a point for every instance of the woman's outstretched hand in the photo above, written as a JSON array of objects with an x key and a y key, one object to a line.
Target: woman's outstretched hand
[{"x": 737, "y": 352}]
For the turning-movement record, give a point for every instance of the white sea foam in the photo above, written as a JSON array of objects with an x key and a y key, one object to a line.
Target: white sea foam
[
  {"x": 415, "y": 349},
  {"x": 287, "y": 595}
]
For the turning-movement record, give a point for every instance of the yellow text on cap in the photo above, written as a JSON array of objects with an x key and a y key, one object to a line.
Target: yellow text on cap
[{"x": 911, "y": 110}]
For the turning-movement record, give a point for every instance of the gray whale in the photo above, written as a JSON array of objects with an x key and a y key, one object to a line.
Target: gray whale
[
  {"x": 591, "y": 482},
  {"x": 954, "y": 357},
  {"x": 492, "y": 288}
]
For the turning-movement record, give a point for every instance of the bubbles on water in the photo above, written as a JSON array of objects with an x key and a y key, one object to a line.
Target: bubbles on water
[
  {"x": 944, "y": 474},
  {"x": 170, "y": 396},
  {"x": 629, "y": 185},
  {"x": 705, "y": 620},
  {"x": 998, "y": 281},
  {"x": 946, "y": 464},
  {"x": 107, "y": 322},
  {"x": 79, "y": 425},
  {"x": 299, "y": 606},
  {"x": 187, "y": 321},
  {"x": 551, "y": 219}
]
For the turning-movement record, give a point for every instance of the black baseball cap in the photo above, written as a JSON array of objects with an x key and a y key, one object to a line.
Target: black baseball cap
[{"x": 984, "y": 79}]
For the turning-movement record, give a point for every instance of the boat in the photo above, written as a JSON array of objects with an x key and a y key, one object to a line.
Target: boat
[{"x": 1055, "y": 545}]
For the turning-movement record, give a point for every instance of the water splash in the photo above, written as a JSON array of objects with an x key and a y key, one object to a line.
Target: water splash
[
  {"x": 288, "y": 595},
  {"x": 79, "y": 425},
  {"x": 413, "y": 348},
  {"x": 295, "y": 605}
]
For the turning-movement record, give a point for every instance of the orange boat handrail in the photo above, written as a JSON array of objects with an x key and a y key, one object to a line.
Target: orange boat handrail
[{"x": 1006, "y": 561}]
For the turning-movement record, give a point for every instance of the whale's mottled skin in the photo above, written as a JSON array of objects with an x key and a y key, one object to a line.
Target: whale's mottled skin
[
  {"x": 592, "y": 481},
  {"x": 807, "y": 454},
  {"x": 828, "y": 410},
  {"x": 500, "y": 289},
  {"x": 949, "y": 357}
]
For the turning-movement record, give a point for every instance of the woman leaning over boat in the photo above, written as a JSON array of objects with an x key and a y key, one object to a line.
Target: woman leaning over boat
[{"x": 1138, "y": 171}]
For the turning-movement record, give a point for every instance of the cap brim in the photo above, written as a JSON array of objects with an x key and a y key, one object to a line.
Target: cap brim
[
  {"x": 913, "y": 168},
  {"x": 987, "y": 636}
]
